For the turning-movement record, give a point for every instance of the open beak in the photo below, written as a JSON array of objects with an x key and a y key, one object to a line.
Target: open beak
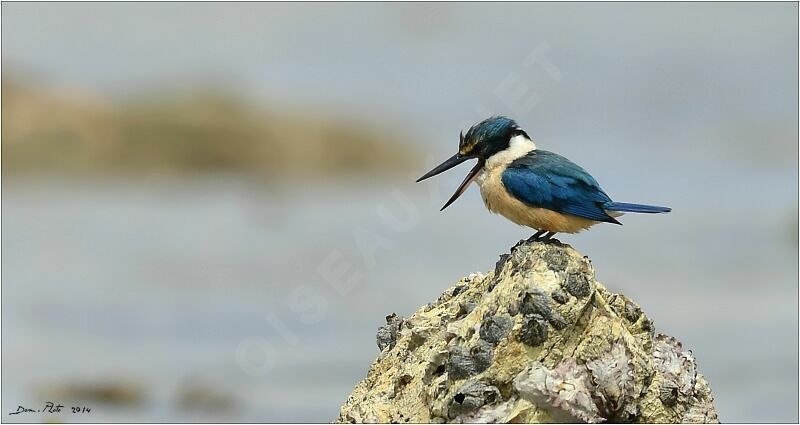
[{"x": 450, "y": 163}]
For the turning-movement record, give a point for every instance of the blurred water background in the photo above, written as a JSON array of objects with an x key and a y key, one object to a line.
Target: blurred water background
[{"x": 208, "y": 209}]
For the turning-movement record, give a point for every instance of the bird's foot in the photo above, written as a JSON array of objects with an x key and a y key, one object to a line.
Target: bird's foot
[{"x": 537, "y": 236}]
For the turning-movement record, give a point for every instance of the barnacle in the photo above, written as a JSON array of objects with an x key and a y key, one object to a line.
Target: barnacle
[
  {"x": 612, "y": 374},
  {"x": 567, "y": 387}
]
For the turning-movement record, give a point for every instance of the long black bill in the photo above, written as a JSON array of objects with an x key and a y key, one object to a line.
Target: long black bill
[
  {"x": 448, "y": 164},
  {"x": 473, "y": 173}
]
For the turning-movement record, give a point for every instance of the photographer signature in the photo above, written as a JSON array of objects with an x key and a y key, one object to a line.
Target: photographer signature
[{"x": 51, "y": 407}]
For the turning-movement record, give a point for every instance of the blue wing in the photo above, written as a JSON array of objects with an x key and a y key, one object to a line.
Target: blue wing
[{"x": 547, "y": 180}]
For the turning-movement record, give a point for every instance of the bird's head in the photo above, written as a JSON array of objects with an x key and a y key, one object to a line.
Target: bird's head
[
  {"x": 489, "y": 137},
  {"x": 482, "y": 141}
]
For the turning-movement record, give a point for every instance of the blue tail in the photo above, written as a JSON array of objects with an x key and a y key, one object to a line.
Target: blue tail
[{"x": 635, "y": 208}]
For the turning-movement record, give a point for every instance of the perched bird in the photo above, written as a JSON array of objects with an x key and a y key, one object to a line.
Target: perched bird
[{"x": 529, "y": 186}]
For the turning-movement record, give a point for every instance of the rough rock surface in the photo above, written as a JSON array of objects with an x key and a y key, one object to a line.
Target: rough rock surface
[{"x": 536, "y": 340}]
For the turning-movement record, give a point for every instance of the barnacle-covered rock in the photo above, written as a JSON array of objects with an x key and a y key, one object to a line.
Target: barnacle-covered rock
[{"x": 536, "y": 340}]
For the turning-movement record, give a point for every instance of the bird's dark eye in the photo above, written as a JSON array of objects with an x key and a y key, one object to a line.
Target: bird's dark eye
[{"x": 465, "y": 145}]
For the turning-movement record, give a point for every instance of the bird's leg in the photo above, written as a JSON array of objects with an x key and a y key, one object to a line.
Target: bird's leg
[
  {"x": 548, "y": 236},
  {"x": 536, "y": 236}
]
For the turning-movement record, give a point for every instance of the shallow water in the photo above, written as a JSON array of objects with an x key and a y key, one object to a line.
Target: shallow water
[{"x": 204, "y": 281}]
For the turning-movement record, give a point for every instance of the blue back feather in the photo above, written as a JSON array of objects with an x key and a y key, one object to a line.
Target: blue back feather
[{"x": 547, "y": 180}]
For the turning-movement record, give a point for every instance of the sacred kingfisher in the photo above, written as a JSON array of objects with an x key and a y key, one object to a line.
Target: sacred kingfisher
[{"x": 529, "y": 186}]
